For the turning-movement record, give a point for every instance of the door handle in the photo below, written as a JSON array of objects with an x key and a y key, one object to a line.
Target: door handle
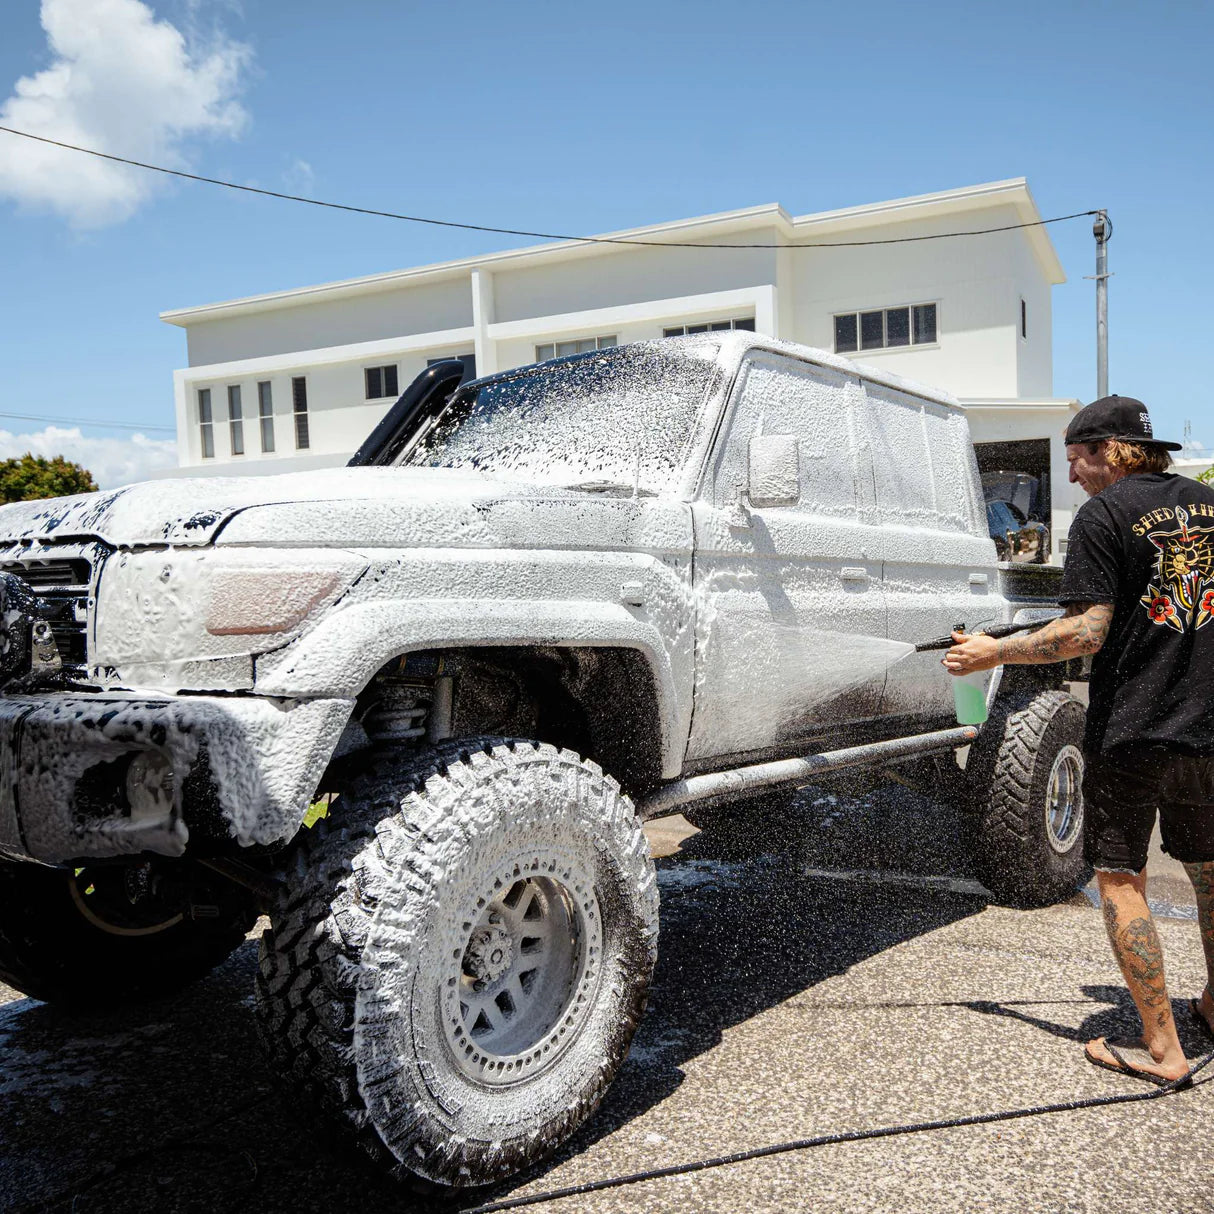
[{"x": 853, "y": 573}]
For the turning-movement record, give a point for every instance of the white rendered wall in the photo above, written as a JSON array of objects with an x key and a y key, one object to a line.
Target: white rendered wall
[
  {"x": 630, "y": 276},
  {"x": 333, "y": 321},
  {"x": 339, "y": 415},
  {"x": 975, "y": 283}
]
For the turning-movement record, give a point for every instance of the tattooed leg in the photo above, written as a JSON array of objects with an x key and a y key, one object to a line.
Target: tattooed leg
[
  {"x": 1202, "y": 876},
  {"x": 1140, "y": 955}
]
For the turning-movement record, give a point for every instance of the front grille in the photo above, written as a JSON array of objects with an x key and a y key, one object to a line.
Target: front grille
[
  {"x": 48, "y": 575},
  {"x": 65, "y": 583}
]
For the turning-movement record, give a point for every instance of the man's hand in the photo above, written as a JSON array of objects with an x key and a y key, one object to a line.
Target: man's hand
[
  {"x": 972, "y": 653},
  {"x": 1082, "y": 630}
]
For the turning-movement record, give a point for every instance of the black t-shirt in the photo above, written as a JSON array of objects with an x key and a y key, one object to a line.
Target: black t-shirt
[{"x": 1146, "y": 545}]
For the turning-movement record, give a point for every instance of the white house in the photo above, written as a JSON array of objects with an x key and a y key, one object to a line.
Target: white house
[{"x": 297, "y": 379}]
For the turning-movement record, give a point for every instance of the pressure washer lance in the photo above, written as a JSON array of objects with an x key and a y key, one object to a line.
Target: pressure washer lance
[
  {"x": 969, "y": 690},
  {"x": 998, "y": 632}
]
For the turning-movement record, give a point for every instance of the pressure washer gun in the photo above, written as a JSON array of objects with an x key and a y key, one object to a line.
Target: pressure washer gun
[
  {"x": 970, "y": 690},
  {"x": 997, "y": 632}
]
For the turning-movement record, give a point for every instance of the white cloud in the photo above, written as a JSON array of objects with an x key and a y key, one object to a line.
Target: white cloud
[
  {"x": 298, "y": 175},
  {"x": 122, "y": 82},
  {"x": 112, "y": 461}
]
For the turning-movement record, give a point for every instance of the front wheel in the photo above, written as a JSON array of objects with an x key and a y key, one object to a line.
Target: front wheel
[
  {"x": 1027, "y": 778},
  {"x": 462, "y": 957}
]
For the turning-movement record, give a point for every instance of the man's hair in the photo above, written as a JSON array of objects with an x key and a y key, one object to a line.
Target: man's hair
[{"x": 1133, "y": 457}]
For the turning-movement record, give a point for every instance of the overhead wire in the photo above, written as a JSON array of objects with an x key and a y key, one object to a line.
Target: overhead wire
[
  {"x": 481, "y": 227},
  {"x": 84, "y": 421}
]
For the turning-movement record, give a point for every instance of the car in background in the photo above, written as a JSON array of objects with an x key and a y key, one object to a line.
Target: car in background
[{"x": 1019, "y": 540}]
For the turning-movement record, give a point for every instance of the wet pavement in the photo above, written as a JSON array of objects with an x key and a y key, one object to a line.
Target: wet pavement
[{"x": 837, "y": 972}]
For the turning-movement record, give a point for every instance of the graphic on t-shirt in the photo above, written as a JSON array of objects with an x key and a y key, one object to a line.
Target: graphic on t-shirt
[{"x": 1184, "y": 573}]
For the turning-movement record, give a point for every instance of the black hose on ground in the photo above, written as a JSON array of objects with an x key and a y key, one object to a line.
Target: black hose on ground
[{"x": 825, "y": 1140}]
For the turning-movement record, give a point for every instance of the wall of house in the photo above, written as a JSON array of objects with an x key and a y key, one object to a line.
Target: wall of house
[
  {"x": 975, "y": 283},
  {"x": 336, "y": 320},
  {"x": 628, "y": 275}
]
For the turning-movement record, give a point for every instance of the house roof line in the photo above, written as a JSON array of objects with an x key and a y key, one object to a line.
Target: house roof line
[{"x": 898, "y": 210}]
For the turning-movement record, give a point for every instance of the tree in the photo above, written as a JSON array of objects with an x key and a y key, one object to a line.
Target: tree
[{"x": 34, "y": 476}]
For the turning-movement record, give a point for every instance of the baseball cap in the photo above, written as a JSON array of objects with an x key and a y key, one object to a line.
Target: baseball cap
[{"x": 1115, "y": 417}]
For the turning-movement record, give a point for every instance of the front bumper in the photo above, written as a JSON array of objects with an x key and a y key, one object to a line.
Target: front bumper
[{"x": 243, "y": 771}]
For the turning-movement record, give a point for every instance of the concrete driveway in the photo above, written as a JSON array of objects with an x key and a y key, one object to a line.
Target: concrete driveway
[{"x": 841, "y": 975}]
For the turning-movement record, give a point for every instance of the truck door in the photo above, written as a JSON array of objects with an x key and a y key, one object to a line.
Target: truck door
[
  {"x": 939, "y": 561},
  {"x": 789, "y": 605}
]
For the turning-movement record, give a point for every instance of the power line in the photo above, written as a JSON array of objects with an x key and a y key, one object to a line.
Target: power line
[
  {"x": 84, "y": 421},
  {"x": 481, "y": 227}
]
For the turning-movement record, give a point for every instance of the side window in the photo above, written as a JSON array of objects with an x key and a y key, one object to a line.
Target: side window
[
  {"x": 952, "y": 453},
  {"x": 921, "y": 456},
  {"x": 777, "y": 395}
]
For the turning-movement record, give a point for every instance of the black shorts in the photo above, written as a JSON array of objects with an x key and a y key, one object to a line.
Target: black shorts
[{"x": 1123, "y": 790}]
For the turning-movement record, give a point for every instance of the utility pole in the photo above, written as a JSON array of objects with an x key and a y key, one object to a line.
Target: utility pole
[{"x": 1102, "y": 229}]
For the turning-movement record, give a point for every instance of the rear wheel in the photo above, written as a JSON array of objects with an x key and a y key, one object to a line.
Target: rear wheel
[
  {"x": 1027, "y": 778},
  {"x": 108, "y": 934}
]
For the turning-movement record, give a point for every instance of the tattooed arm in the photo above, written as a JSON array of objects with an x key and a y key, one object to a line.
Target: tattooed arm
[{"x": 1082, "y": 630}]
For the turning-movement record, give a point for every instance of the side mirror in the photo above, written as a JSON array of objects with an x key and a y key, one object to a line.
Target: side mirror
[{"x": 774, "y": 470}]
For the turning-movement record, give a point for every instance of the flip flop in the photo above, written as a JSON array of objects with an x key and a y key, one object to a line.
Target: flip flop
[
  {"x": 1195, "y": 1008},
  {"x": 1119, "y": 1049}
]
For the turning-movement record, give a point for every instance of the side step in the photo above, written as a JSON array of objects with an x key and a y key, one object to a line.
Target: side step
[{"x": 725, "y": 785}]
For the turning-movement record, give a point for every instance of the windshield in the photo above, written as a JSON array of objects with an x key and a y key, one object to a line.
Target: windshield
[{"x": 614, "y": 419}]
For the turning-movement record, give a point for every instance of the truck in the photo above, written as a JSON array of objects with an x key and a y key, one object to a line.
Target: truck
[{"x": 416, "y": 710}]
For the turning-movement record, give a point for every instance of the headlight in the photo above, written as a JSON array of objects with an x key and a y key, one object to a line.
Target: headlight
[
  {"x": 173, "y": 606},
  {"x": 254, "y": 602}
]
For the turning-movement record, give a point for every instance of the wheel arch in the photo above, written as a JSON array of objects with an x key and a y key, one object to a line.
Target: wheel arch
[{"x": 603, "y": 701}]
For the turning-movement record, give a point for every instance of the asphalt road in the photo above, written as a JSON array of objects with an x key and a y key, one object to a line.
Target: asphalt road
[{"x": 842, "y": 974}]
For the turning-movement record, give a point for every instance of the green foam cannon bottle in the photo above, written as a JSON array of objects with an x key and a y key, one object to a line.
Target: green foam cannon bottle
[
  {"x": 969, "y": 697},
  {"x": 969, "y": 690}
]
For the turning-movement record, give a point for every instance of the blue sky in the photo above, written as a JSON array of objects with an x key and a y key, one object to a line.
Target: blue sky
[{"x": 584, "y": 119}]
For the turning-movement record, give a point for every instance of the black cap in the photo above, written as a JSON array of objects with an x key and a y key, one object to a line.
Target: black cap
[{"x": 1115, "y": 417}]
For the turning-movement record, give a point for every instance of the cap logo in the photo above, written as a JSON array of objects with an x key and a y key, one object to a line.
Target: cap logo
[{"x": 1146, "y": 422}]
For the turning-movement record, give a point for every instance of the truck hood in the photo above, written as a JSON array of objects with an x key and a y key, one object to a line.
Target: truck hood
[{"x": 346, "y": 507}]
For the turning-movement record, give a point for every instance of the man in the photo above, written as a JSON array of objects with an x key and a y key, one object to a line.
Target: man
[{"x": 1138, "y": 588}]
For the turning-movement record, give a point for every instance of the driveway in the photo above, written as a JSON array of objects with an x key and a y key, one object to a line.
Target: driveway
[{"x": 843, "y": 974}]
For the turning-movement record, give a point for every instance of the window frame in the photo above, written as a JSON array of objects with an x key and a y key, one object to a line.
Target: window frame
[
  {"x": 265, "y": 415},
  {"x": 235, "y": 419},
  {"x": 206, "y": 425},
  {"x": 299, "y": 391},
  {"x": 380, "y": 370},
  {"x": 744, "y": 324},
  {"x": 602, "y": 341},
  {"x": 860, "y": 350}
]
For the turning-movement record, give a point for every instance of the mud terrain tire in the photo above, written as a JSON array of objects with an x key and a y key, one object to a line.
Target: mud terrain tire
[
  {"x": 462, "y": 957},
  {"x": 1026, "y": 773},
  {"x": 68, "y": 937}
]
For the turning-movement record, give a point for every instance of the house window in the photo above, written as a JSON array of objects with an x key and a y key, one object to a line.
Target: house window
[
  {"x": 265, "y": 415},
  {"x": 206, "y": 427},
  {"x": 235, "y": 419},
  {"x": 381, "y": 381},
  {"x": 885, "y": 328},
  {"x": 713, "y": 326},
  {"x": 578, "y": 345},
  {"x": 1024, "y": 319},
  {"x": 299, "y": 400}
]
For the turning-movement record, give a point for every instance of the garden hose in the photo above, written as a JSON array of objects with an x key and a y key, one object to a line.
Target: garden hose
[{"x": 824, "y": 1140}]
